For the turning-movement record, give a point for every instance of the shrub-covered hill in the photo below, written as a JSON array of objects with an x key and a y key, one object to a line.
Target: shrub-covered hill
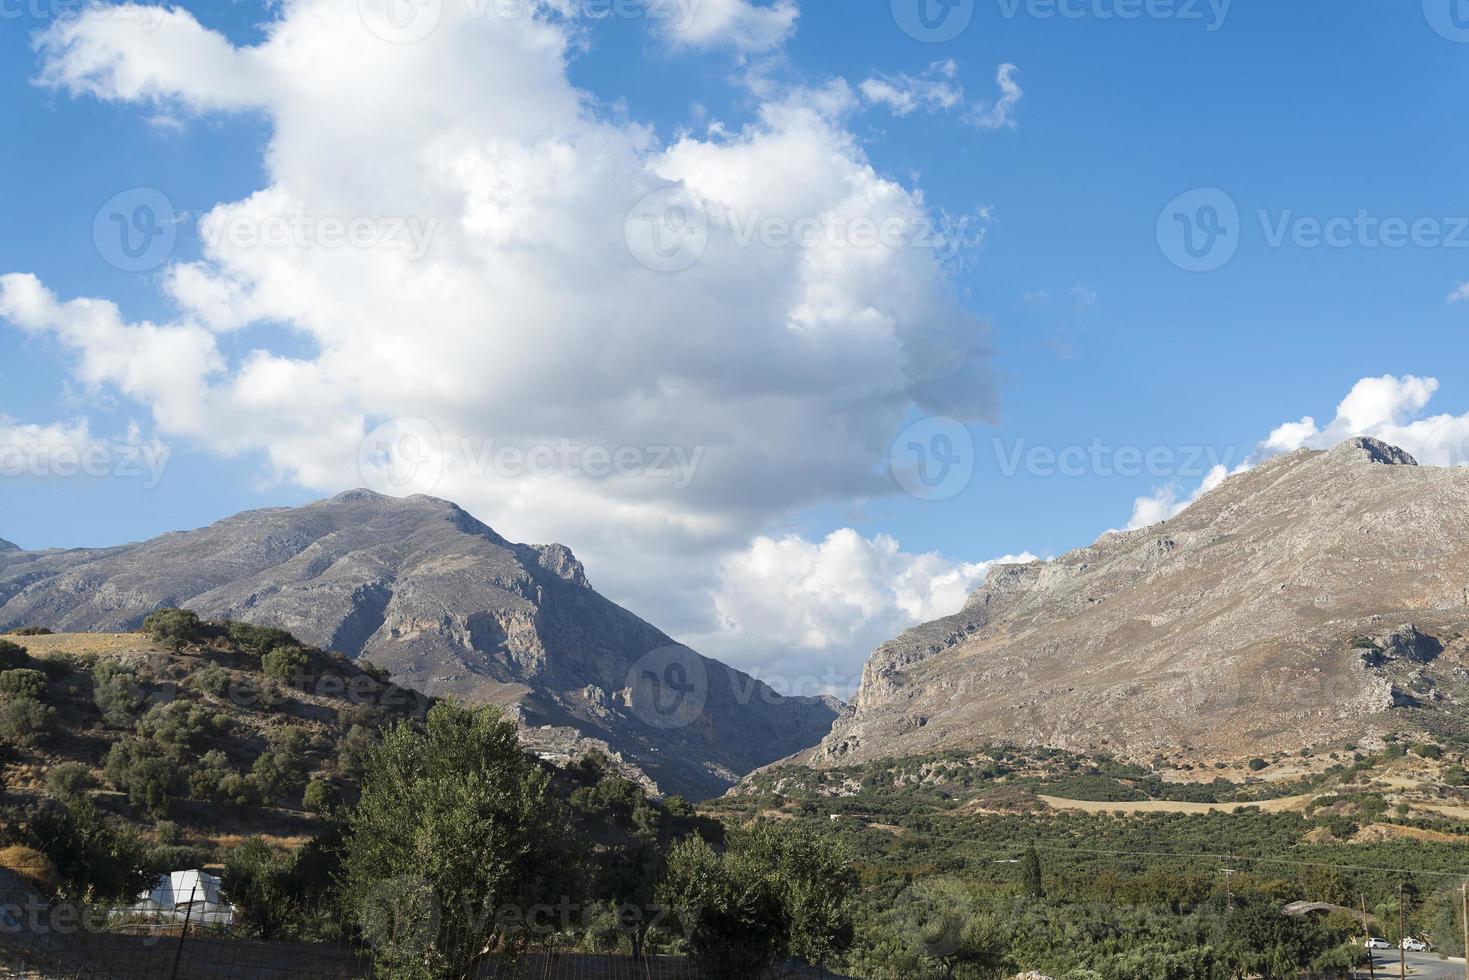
[{"x": 217, "y": 729}]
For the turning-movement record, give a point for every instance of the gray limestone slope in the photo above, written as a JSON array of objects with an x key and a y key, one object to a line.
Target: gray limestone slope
[
  {"x": 420, "y": 587},
  {"x": 1319, "y": 597}
]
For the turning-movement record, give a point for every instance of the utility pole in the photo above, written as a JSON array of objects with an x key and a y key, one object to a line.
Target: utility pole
[
  {"x": 1464, "y": 897},
  {"x": 1402, "y": 934},
  {"x": 1228, "y": 891},
  {"x": 1367, "y": 938}
]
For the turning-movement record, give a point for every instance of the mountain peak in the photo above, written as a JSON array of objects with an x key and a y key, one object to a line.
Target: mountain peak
[
  {"x": 1373, "y": 451},
  {"x": 7, "y": 546}
]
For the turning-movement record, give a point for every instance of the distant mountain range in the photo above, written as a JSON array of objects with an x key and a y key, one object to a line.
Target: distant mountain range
[
  {"x": 1317, "y": 599},
  {"x": 420, "y": 587}
]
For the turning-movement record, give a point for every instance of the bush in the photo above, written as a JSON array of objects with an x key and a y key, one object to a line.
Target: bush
[
  {"x": 281, "y": 769},
  {"x": 206, "y": 778},
  {"x": 148, "y": 776},
  {"x": 23, "y": 682},
  {"x": 258, "y": 639},
  {"x": 12, "y": 655},
  {"x": 26, "y": 722},
  {"x": 285, "y": 664},
  {"x": 70, "y": 781},
  {"x": 30, "y": 631},
  {"x": 175, "y": 628},
  {"x": 117, "y": 693},
  {"x": 319, "y": 796},
  {"x": 211, "y": 679},
  {"x": 176, "y": 728},
  {"x": 96, "y": 859},
  {"x": 1257, "y": 764}
]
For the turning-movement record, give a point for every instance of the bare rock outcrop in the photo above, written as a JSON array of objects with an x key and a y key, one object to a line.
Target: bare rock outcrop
[{"x": 1239, "y": 626}]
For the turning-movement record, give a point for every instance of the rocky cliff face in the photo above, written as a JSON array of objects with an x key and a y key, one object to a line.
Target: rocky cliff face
[
  {"x": 420, "y": 587},
  {"x": 1320, "y": 597}
]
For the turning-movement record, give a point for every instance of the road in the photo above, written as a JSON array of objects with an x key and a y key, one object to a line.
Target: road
[{"x": 1421, "y": 966}]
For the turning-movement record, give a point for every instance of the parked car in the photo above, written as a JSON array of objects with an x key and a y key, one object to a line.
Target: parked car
[
  {"x": 1374, "y": 943},
  {"x": 1414, "y": 945}
]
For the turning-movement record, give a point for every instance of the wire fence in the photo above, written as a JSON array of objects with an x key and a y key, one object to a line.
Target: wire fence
[{"x": 174, "y": 952}]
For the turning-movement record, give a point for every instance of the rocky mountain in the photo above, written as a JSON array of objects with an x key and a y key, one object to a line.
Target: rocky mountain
[
  {"x": 1319, "y": 598},
  {"x": 420, "y": 587}
]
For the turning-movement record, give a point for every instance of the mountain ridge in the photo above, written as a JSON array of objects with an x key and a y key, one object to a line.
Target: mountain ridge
[
  {"x": 450, "y": 607},
  {"x": 1265, "y": 615}
]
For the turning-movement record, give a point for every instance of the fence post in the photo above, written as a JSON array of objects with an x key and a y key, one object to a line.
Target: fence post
[{"x": 183, "y": 933}]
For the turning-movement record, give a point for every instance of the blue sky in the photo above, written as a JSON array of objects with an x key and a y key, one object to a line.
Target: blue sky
[{"x": 1305, "y": 111}]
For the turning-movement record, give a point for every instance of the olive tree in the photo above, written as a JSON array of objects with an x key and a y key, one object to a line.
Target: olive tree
[{"x": 455, "y": 838}]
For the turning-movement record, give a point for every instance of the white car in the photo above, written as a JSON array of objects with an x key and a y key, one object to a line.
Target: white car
[
  {"x": 1414, "y": 945},
  {"x": 1374, "y": 943}
]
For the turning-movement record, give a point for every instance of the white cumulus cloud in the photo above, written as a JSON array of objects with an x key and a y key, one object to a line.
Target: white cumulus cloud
[
  {"x": 838, "y": 597},
  {"x": 444, "y": 228},
  {"x": 1389, "y": 408}
]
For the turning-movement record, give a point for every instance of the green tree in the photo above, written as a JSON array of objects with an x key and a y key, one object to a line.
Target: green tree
[
  {"x": 25, "y": 722},
  {"x": 69, "y": 781},
  {"x": 149, "y": 776},
  {"x": 285, "y": 663},
  {"x": 97, "y": 859},
  {"x": 175, "y": 628},
  {"x": 729, "y": 914},
  {"x": 455, "y": 826},
  {"x": 1030, "y": 874},
  {"x": 319, "y": 796},
  {"x": 776, "y": 892},
  {"x": 811, "y": 876},
  {"x": 259, "y": 881},
  {"x": 117, "y": 692},
  {"x": 23, "y": 682}
]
